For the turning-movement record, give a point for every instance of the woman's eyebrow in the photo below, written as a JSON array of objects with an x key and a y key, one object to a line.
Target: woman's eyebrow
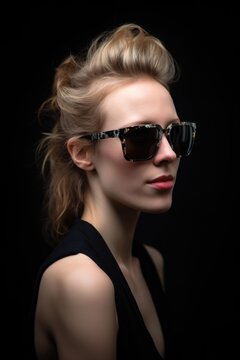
[
  {"x": 143, "y": 122},
  {"x": 173, "y": 121}
]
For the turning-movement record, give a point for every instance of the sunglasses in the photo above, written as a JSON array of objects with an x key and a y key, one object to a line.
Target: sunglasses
[{"x": 141, "y": 142}]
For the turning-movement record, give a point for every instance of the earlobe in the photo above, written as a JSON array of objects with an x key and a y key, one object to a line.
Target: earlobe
[{"x": 81, "y": 154}]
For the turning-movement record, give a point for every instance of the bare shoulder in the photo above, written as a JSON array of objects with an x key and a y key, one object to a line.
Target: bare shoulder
[
  {"x": 158, "y": 260},
  {"x": 75, "y": 275},
  {"x": 75, "y": 298}
]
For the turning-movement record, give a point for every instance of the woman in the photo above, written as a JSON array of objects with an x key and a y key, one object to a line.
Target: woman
[{"x": 113, "y": 153}]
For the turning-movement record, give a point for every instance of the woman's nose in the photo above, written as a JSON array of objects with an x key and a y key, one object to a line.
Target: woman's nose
[{"x": 165, "y": 152}]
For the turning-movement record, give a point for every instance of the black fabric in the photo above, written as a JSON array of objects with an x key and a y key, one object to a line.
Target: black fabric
[{"x": 133, "y": 337}]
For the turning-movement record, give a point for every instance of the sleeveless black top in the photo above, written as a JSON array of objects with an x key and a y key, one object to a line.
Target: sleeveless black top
[{"x": 133, "y": 336}]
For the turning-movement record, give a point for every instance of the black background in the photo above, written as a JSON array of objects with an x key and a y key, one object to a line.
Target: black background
[{"x": 195, "y": 236}]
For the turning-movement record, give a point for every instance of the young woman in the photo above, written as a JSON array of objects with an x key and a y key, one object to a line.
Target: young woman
[{"x": 113, "y": 153}]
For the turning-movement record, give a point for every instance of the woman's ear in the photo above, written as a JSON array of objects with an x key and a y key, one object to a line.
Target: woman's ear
[{"x": 81, "y": 153}]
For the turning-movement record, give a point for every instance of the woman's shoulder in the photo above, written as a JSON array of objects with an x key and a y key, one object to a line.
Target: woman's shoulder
[
  {"x": 77, "y": 285},
  {"x": 75, "y": 298},
  {"x": 75, "y": 274}
]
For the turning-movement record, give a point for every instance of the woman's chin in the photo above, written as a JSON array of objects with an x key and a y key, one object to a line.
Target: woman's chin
[{"x": 159, "y": 209}]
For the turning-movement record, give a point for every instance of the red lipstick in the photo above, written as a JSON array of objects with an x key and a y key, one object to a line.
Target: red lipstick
[{"x": 164, "y": 182}]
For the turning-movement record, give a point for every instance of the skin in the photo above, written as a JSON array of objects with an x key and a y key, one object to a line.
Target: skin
[{"x": 76, "y": 315}]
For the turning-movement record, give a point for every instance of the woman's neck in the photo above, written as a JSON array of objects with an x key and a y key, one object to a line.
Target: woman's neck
[{"x": 116, "y": 224}]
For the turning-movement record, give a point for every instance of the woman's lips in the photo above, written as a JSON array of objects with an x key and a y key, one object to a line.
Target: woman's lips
[{"x": 164, "y": 182}]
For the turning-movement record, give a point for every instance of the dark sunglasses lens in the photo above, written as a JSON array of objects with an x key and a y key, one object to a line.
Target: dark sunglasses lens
[
  {"x": 182, "y": 138},
  {"x": 141, "y": 143}
]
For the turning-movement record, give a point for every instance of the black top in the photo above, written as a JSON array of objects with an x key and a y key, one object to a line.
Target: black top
[{"x": 133, "y": 336}]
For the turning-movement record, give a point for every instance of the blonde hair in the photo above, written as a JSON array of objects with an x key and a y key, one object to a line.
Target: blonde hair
[{"x": 80, "y": 85}]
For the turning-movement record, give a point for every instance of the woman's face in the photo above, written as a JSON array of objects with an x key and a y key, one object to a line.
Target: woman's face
[{"x": 143, "y": 185}]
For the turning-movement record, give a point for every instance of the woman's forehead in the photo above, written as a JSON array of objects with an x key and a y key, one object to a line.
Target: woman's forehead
[{"x": 144, "y": 100}]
